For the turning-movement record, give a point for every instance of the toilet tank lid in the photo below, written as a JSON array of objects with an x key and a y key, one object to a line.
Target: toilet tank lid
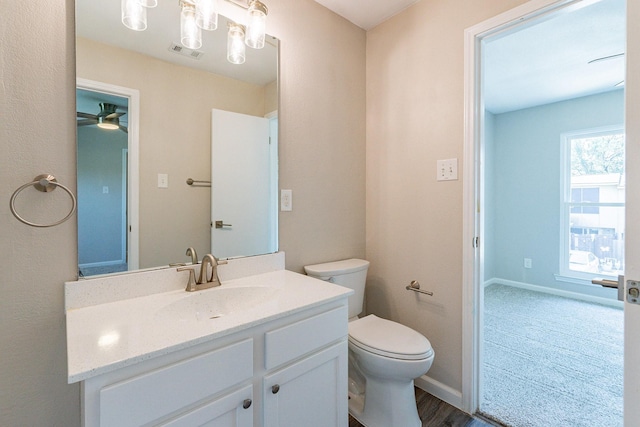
[{"x": 337, "y": 267}]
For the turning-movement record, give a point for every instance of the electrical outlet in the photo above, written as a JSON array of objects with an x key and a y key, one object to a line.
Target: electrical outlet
[
  {"x": 527, "y": 263},
  {"x": 105, "y": 189},
  {"x": 286, "y": 200}
]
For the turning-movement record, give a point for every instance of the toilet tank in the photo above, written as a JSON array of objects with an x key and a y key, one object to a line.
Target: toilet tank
[{"x": 350, "y": 273}]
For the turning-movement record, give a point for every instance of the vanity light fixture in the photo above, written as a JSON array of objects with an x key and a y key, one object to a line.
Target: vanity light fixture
[
  {"x": 235, "y": 43},
  {"x": 190, "y": 32},
  {"x": 197, "y": 15},
  {"x": 207, "y": 14},
  {"x": 134, "y": 15},
  {"x": 148, "y": 3},
  {"x": 256, "y": 24}
]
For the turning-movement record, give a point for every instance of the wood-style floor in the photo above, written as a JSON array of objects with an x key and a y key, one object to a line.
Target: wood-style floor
[{"x": 436, "y": 413}]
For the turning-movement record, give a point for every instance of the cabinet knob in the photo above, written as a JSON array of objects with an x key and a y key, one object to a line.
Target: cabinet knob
[
  {"x": 275, "y": 389},
  {"x": 246, "y": 403}
]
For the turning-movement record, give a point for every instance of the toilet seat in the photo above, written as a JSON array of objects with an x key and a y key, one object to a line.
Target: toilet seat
[{"x": 389, "y": 339}]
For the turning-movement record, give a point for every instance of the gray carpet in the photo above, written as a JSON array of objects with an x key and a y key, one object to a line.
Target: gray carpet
[{"x": 551, "y": 361}]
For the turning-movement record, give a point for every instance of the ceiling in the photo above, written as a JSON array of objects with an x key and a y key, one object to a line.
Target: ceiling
[
  {"x": 543, "y": 63},
  {"x": 101, "y": 21},
  {"x": 366, "y": 14}
]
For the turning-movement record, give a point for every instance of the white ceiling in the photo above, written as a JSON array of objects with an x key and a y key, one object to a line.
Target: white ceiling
[
  {"x": 546, "y": 62},
  {"x": 549, "y": 62},
  {"x": 101, "y": 21},
  {"x": 366, "y": 14},
  {"x": 543, "y": 63}
]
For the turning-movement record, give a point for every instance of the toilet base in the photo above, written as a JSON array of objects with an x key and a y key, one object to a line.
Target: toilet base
[{"x": 385, "y": 404}]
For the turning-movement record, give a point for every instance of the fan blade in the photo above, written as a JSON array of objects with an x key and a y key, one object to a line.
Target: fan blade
[
  {"x": 86, "y": 115},
  {"x": 605, "y": 58},
  {"x": 87, "y": 122},
  {"x": 123, "y": 129},
  {"x": 114, "y": 115}
]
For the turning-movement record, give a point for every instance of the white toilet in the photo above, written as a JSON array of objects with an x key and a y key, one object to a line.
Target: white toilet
[{"x": 384, "y": 356}]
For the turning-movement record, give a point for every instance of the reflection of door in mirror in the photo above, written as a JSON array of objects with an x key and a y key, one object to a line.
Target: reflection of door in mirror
[
  {"x": 243, "y": 185},
  {"x": 104, "y": 182}
]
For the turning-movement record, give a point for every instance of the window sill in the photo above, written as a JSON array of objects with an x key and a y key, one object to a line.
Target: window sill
[{"x": 582, "y": 280}]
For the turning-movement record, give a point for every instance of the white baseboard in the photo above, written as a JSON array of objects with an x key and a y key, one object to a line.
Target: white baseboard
[
  {"x": 441, "y": 391},
  {"x": 558, "y": 292}
]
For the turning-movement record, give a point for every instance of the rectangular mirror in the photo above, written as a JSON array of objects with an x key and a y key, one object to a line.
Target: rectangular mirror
[{"x": 135, "y": 207}]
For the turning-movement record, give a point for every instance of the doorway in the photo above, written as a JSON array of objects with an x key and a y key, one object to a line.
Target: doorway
[
  {"x": 107, "y": 165},
  {"x": 483, "y": 157}
]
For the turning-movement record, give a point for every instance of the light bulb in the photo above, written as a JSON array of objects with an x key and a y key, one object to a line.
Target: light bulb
[
  {"x": 256, "y": 24},
  {"x": 134, "y": 15},
  {"x": 190, "y": 33},
  {"x": 207, "y": 14},
  {"x": 148, "y": 3},
  {"x": 235, "y": 44},
  {"x": 111, "y": 124}
]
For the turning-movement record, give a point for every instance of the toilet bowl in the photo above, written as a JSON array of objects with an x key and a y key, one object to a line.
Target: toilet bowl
[{"x": 384, "y": 356}]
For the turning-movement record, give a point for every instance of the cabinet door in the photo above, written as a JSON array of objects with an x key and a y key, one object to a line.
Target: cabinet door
[
  {"x": 310, "y": 393},
  {"x": 232, "y": 410}
]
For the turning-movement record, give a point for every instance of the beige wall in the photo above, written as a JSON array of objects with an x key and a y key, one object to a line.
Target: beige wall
[
  {"x": 175, "y": 138},
  {"x": 322, "y": 141},
  {"x": 415, "y": 105}
]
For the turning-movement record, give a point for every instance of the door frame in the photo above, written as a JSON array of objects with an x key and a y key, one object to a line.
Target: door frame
[
  {"x": 530, "y": 13},
  {"x": 133, "y": 169}
]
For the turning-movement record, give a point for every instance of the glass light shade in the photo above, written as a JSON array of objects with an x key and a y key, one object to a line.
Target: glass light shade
[
  {"x": 235, "y": 44},
  {"x": 190, "y": 33},
  {"x": 148, "y": 3},
  {"x": 110, "y": 124},
  {"x": 207, "y": 14},
  {"x": 256, "y": 24},
  {"x": 134, "y": 15}
]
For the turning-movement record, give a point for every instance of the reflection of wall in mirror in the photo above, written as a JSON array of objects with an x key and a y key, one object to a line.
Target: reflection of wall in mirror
[{"x": 175, "y": 138}]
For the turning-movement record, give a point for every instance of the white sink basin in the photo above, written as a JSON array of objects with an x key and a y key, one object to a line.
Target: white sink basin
[{"x": 217, "y": 302}]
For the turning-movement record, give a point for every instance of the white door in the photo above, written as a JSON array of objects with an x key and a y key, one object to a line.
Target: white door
[
  {"x": 472, "y": 338},
  {"x": 632, "y": 249},
  {"x": 240, "y": 185}
]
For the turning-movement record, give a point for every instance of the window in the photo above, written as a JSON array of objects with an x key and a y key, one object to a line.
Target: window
[{"x": 593, "y": 196}]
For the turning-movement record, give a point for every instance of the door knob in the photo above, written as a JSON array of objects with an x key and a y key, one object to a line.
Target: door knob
[
  {"x": 220, "y": 224},
  {"x": 275, "y": 389}
]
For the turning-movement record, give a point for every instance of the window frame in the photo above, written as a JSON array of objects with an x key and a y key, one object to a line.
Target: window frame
[{"x": 565, "y": 273}]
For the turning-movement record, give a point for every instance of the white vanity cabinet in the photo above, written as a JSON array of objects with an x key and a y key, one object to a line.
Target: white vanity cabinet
[
  {"x": 290, "y": 371},
  {"x": 211, "y": 387},
  {"x": 311, "y": 391}
]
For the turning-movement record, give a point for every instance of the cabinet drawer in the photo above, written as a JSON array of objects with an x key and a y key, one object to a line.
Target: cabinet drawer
[
  {"x": 227, "y": 411},
  {"x": 158, "y": 393},
  {"x": 292, "y": 341}
]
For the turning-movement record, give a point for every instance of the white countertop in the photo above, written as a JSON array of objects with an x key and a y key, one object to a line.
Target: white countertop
[{"x": 112, "y": 335}]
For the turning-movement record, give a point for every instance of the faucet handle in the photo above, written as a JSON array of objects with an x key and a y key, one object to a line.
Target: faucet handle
[{"x": 191, "y": 284}]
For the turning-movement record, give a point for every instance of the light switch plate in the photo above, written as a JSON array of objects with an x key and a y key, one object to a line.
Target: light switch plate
[
  {"x": 286, "y": 200},
  {"x": 447, "y": 170},
  {"x": 163, "y": 180}
]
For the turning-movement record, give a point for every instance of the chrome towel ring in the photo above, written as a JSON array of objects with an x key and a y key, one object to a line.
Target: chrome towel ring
[{"x": 45, "y": 183}]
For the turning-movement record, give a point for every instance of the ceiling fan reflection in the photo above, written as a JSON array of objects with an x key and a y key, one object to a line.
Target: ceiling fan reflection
[{"x": 107, "y": 118}]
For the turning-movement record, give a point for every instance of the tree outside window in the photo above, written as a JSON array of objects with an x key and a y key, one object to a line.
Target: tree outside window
[{"x": 593, "y": 208}]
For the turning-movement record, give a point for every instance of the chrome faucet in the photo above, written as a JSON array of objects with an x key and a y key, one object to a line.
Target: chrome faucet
[
  {"x": 193, "y": 254},
  {"x": 204, "y": 280}
]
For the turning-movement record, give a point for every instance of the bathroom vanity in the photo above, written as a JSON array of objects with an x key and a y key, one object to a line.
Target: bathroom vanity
[{"x": 267, "y": 348}]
